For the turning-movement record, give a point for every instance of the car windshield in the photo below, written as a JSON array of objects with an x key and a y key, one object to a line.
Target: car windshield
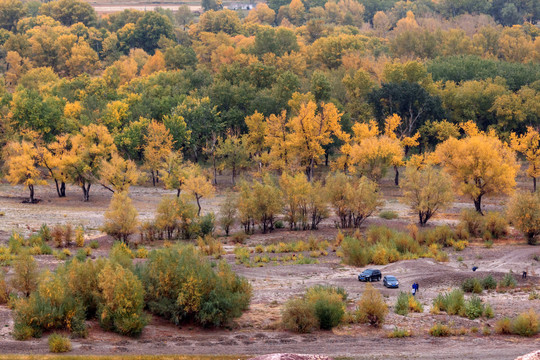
[
  {"x": 391, "y": 278},
  {"x": 367, "y": 272}
]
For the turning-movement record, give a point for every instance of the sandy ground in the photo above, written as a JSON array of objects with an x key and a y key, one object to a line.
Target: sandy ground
[{"x": 256, "y": 332}]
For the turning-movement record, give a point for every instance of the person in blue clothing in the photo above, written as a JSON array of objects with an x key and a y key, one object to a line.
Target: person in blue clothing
[{"x": 414, "y": 288}]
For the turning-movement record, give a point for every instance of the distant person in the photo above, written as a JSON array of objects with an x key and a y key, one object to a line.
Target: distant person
[
  {"x": 524, "y": 275},
  {"x": 414, "y": 288},
  {"x": 474, "y": 268}
]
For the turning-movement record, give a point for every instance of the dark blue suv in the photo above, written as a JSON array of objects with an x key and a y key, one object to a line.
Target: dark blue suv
[{"x": 370, "y": 275}]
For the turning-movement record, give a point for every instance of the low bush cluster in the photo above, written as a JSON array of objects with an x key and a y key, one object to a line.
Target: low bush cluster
[
  {"x": 475, "y": 285},
  {"x": 59, "y": 343},
  {"x": 491, "y": 226},
  {"x": 454, "y": 303},
  {"x": 80, "y": 290},
  {"x": 525, "y": 324},
  {"x": 399, "y": 333},
  {"x": 382, "y": 245},
  {"x": 182, "y": 286},
  {"x": 371, "y": 308},
  {"x": 321, "y": 307},
  {"x": 176, "y": 282},
  {"x": 439, "y": 330},
  {"x": 406, "y": 303}
]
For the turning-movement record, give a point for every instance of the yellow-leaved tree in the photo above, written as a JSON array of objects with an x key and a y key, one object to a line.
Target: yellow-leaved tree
[
  {"x": 275, "y": 139},
  {"x": 529, "y": 145},
  {"x": 480, "y": 164},
  {"x": 197, "y": 185},
  {"x": 396, "y": 129},
  {"x": 52, "y": 157},
  {"x": 369, "y": 153},
  {"x": 118, "y": 174},
  {"x": 22, "y": 165},
  {"x": 89, "y": 149},
  {"x": 159, "y": 143},
  {"x": 310, "y": 130}
]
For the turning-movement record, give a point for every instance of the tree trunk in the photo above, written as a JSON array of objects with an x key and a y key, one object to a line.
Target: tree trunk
[
  {"x": 534, "y": 184},
  {"x": 31, "y": 187},
  {"x": 478, "y": 204},
  {"x": 57, "y": 188},
  {"x": 326, "y": 156},
  {"x": 86, "y": 192},
  {"x": 178, "y": 192},
  {"x": 234, "y": 175},
  {"x": 215, "y": 169},
  {"x": 396, "y": 179},
  {"x": 153, "y": 178},
  {"x": 63, "y": 189},
  {"x": 198, "y": 204}
]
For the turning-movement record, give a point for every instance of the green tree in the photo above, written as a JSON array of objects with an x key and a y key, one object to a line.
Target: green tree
[
  {"x": 70, "y": 12},
  {"x": 150, "y": 28}
]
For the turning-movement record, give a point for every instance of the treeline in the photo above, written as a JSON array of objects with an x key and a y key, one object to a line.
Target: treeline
[{"x": 95, "y": 100}]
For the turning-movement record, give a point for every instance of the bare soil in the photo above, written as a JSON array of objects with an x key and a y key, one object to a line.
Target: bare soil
[{"x": 257, "y": 331}]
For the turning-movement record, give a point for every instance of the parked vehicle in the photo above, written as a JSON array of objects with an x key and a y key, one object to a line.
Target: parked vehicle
[
  {"x": 390, "y": 281},
  {"x": 370, "y": 275}
]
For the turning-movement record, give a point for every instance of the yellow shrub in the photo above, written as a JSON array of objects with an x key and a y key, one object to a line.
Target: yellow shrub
[
  {"x": 380, "y": 256},
  {"x": 142, "y": 253},
  {"x": 79, "y": 236}
]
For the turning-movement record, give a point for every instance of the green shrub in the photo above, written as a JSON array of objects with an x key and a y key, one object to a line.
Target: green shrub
[
  {"x": 354, "y": 252},
  {"x": 298, "y": 316},
  {"x": 122, "y": 254},
  {"x": 489, "y": 283},
  {"x": 51, "y": 306},
  {"x": 488, "y": 312},
  {"x": 508, "y": 281},
  {"x": 328, "y": 305},
  {"x": 93, "y": 244},
  {"x": 371, "y": 307},
  {"x": 279, "y": 224},
  {"x": 15, "y": 243},
  {"x": 472, "y": 285},
  {"x": 474, "y": 307},
  {"x": 388, "y": 215},
  {"x": 526, "y": 324},
  {"x": 452, "y": 303},
  {"x": 182, "y": 286},
  {"x": 406, "y": 303},
  {"x": 121, "y": 300},
  {"x": 45, "y": 249},
  {"x": 59, "y": 343},
  {"x": 439, "y": 330},
  {"x": 206, "y": 225},
  {"x": 80, "y": 255},
  {"x": 45, "y": 233}
]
